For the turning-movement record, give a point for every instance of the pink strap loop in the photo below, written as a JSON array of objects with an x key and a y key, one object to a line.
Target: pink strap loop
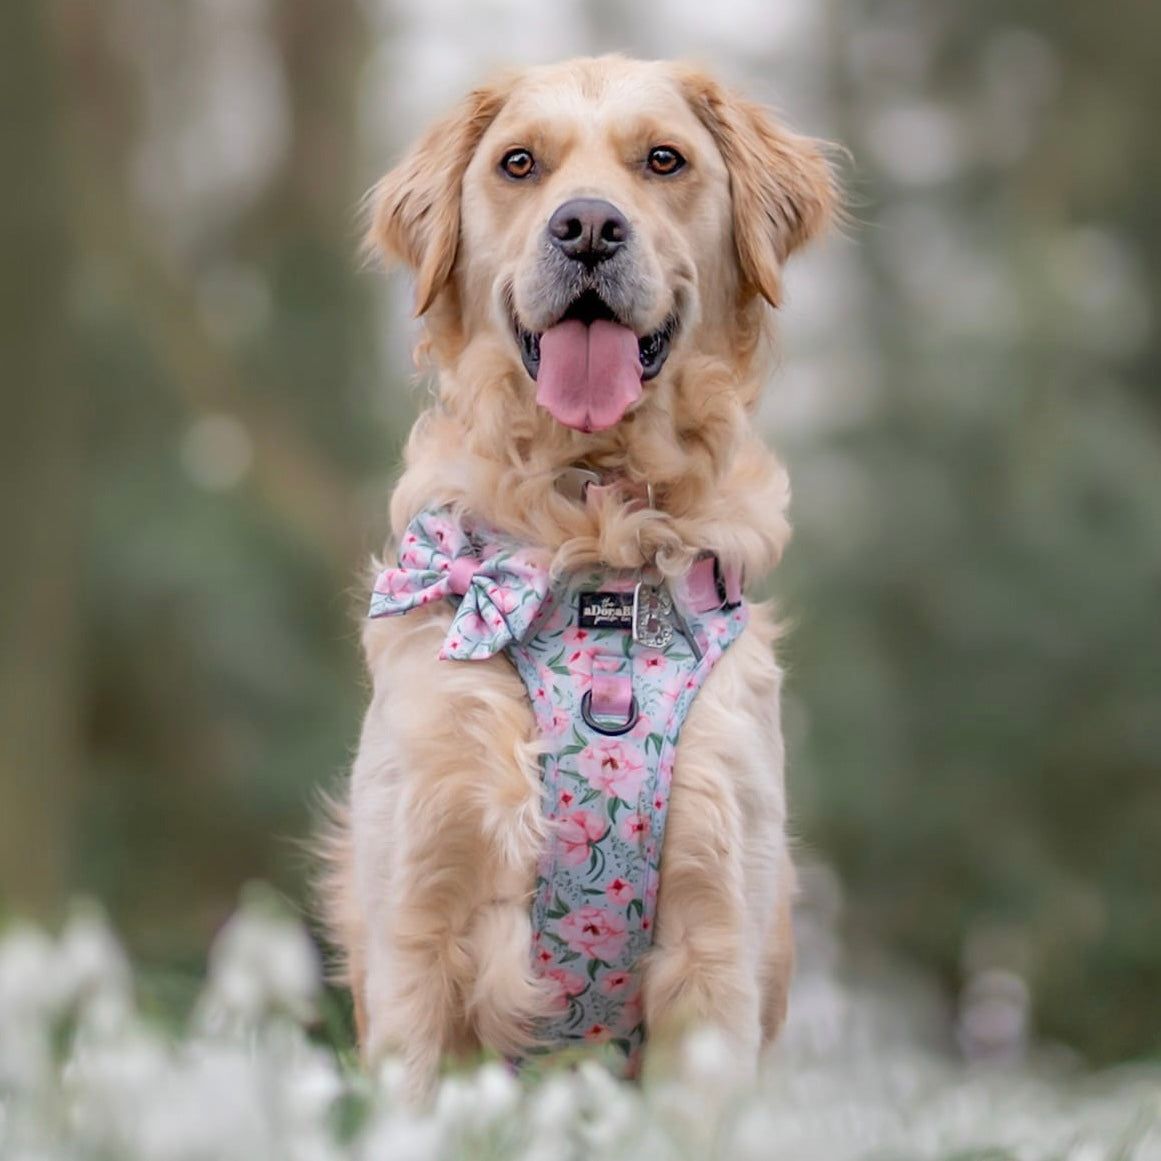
[{"x": 612, "y": 688}]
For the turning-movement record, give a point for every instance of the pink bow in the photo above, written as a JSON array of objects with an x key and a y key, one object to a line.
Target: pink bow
[{"x": 502, "y": 588}]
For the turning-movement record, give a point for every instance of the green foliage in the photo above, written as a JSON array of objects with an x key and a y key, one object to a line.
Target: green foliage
[{"x": 976, "y": 671}]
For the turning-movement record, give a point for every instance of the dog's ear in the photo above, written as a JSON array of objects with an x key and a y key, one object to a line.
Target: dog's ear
[
  {"x": 781, "y": 185},
  {"x": 415, "y": 209}
]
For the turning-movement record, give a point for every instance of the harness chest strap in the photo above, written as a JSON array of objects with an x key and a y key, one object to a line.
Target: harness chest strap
[{"x": 609, "y": 710}]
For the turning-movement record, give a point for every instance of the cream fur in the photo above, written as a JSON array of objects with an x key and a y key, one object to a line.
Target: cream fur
[{"x": 430, "y": 862}]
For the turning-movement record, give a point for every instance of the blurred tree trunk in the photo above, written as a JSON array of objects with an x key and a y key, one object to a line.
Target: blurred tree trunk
[
  {"x": 303, "y": 235},
  {"x": 40, "y": 450}
]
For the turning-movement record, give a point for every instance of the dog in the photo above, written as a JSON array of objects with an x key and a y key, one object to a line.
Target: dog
[{"x": 597, "y": 247}]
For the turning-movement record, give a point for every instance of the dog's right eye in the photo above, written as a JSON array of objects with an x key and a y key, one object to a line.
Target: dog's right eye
[
  {"x": 664, "y": 161},
  {"x": 518, "y": 163}
]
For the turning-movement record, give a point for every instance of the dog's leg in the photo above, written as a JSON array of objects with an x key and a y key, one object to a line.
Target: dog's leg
[
  {"x": 446, "y": 828},
  {"x": 721, "y": 952}
]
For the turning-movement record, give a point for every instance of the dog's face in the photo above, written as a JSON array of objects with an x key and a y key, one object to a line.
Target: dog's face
[
  {"x": 592, "y": 220},
  {"x": 605, "y": 217}
]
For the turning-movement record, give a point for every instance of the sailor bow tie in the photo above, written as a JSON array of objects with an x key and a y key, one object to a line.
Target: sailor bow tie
[{"x": 501, "y": 586}]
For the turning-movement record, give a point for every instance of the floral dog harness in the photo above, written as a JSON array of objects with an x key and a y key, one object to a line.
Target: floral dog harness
[{"x": 611, "y": 665}]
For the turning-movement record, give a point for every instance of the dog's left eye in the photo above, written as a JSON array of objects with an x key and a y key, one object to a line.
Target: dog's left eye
[
  {"x": 664, "y": 160},
  {"x": 518, "y": 163}
]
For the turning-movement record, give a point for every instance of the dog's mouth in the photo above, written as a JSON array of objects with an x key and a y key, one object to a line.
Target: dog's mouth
[
  {"x": 588, "y": 308},
  {"x": 589, "y": 366}
]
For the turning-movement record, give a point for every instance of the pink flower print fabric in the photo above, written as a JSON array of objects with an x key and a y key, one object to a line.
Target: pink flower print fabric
[
  {"x": 578, "y": 833},
  {"x": 604, "y": 798},
  {"x": 500, "y": 590},
  {"x": 616, "y": 768}
]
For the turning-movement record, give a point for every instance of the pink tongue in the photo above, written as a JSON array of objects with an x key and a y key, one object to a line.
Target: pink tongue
[{"x": 589, "y": 375}]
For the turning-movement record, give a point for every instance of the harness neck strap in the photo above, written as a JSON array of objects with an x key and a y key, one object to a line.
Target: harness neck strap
[{"x": 709, "y": 586}]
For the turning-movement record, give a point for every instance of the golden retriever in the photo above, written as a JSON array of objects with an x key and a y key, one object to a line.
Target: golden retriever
[{"x": 700, "y": 197}]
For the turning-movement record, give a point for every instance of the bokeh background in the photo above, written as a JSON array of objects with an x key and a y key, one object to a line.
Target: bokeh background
[{"x": 203, "y": 397}]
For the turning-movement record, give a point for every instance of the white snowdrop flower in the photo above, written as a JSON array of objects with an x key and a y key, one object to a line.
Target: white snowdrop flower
[
  {"x": 29, "y": 977},
  {"x": 752, "y": 1134},
  {"x": 552, "y": 1104},
  {"x": 32, "y": 998},
  {"x": 497, "y": 1092},
  {"x": 614, "y": 1110},
  {"x": 993, "y": 1021},
  {"x": 259, "y": 964},
  {"x": 475, "y": 1102},
  {"x": 547, "y": 1148},
  {"x": 25, "y": 1054},
  {"x": 1147, "y": 1144},
  {"x": 236, "y": 993},
  {"x": 108, "y": 1081},
  {"x": 312, "y": 1088},
  {"x": 95, "y": 972},
  {"x": 453, "y": 1102},
  {"x": 119, "y": 1090},
  {"x": 401, "y": 1137},
  {"x": 608, "y": 1132},
  {"x": 91, "y": 954},
  {"x": 817, "y": 1022},
  {"x": 211, "y": 1104}
]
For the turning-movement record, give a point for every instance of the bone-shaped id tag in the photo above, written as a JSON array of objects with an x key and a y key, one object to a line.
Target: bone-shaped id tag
[
  {"x": 656, "y": 616},
  {"x": 652, "y": 613}
]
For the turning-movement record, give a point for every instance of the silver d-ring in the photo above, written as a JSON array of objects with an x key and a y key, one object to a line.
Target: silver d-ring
[{"x": 586, "y": 709}]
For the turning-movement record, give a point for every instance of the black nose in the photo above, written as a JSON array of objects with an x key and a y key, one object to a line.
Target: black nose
[{"x": 588, "y": 229}]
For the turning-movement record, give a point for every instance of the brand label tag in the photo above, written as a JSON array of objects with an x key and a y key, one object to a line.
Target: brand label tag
[{"x": 600, "y": 610}]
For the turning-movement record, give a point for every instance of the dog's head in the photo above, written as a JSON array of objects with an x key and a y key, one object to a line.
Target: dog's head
[{"x": 605, "y": 217}]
